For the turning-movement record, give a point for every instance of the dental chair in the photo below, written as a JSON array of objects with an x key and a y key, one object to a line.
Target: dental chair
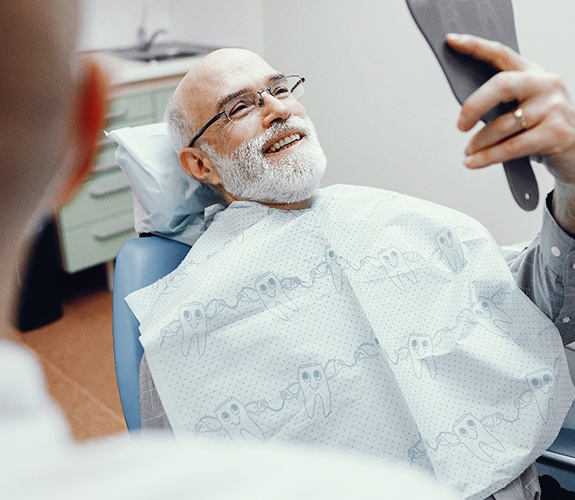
[
  {"x": 144, "y": 154},
  {"x": 168, "y": 213},
  {"x": 140, "y": 262}
]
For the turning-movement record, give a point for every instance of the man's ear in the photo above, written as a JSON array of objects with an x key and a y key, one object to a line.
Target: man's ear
[
  {"x": 196, "y": 164},
  {"x": 87, "y": 123}
]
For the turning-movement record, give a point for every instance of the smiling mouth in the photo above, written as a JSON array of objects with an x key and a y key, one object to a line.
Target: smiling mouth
[{"x": 284, "y": 143}]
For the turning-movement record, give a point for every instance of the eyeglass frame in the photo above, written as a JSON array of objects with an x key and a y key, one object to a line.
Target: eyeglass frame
[{"x": 260, "y": 92}]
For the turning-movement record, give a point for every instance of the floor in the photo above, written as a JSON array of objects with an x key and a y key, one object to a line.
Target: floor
[{"x": 76, "y": 352}]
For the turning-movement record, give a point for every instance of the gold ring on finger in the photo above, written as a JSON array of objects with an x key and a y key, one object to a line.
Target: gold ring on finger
[{"x": 518, "y": 114}]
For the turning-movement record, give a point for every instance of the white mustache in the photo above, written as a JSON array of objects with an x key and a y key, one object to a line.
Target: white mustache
[
  {"x": 247, "y": 174},
  {"x": 293, "y": 123}
]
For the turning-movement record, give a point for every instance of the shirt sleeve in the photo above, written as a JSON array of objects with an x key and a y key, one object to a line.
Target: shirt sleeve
[{"x": 545, "y": 271}]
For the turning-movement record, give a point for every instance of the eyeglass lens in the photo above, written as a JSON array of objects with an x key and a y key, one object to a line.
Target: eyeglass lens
[{"x": 243, "y": 105}]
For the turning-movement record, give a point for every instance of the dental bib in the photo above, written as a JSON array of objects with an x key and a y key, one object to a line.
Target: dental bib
[{"x": 373, "y": 323}]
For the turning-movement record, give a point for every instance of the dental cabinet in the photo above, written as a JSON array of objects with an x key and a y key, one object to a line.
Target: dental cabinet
[
  {"x": 99, "y": 219},
  {"x": 95, "y": 224}
]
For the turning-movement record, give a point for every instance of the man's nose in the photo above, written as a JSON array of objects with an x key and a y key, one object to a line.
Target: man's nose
[{"x": 273, "y": 110}]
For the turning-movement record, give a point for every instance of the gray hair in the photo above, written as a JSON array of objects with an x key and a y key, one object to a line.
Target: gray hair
[
  {"x": 180, "y": 129},
  {"x": 180, "y": 132}
]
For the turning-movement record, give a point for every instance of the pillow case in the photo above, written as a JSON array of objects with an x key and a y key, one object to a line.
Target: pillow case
[{"x": 167, "y": 201}]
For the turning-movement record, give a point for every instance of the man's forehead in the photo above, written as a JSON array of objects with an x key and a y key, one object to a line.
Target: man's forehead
[
  {"x": 232, "y": 61},
  {"x": 228, "y": 72}
]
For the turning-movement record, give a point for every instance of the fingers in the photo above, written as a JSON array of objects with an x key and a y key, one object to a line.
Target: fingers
[
  {"x": 548, "y": 132},
  {"x": 545, "y": 125},
  {"x": 518, "y": 78},
  {"x": 545, "y": 128},
  {"x": 498, "y": 55},
  {"x": 505, "y": 126},
  {"x": 517, "y": 146},
  {"x": 506, "y": 86}
]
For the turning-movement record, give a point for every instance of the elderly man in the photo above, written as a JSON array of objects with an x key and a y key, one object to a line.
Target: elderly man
[
  {"x": 51, "y": 111},
  {"x": 358, "y": 319}
]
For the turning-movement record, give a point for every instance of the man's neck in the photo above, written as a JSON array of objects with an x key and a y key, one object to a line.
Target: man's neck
[
  {"x": 300, "y": 205},
  {"x": 290, "y": 206}
]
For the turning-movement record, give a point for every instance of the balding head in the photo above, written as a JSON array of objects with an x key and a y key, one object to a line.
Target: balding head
[
  {"x": 220, "y": 65},
  {"x": 197, "y": 94}
]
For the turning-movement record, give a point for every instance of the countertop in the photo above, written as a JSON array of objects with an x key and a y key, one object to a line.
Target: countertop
[{"x": 124, "y": 72}]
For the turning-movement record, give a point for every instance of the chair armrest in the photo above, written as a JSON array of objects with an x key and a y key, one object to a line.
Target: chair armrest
[{"x": 140, "y": 262}]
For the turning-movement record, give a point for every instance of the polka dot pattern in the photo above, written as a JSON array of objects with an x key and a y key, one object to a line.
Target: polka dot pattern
[{"x": 373, "y": 323}]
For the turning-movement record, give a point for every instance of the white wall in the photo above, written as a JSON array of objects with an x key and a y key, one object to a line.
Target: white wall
[
  {"x": 384, "y": 112},
  {"x": 108, "y": 24}
]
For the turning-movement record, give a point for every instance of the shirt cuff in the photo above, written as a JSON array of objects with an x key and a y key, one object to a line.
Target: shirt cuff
[
  {"x": 557, "y": 247},
  {"x": 558, "y": 253}
]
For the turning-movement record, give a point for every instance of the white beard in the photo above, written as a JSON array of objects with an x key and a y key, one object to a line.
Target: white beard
[{"x": 247, "y": 174}]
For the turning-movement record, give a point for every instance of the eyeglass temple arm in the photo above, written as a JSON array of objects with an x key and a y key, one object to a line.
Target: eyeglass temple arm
[
  {"x": 300, "y": 81},
  {"x": 205, "y": 127}
]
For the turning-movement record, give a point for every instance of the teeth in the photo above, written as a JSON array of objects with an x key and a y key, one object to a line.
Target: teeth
[{"x": 283, "y": 142}]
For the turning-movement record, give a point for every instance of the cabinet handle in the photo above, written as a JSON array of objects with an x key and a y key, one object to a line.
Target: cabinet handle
[
  {"x": 115, "y": 188},
  {"x": 104, "y": 167},
  {"x": 106, "y": 141},
  {"x": 106, "y": 234},
  {"x": 119, "y": 113}
]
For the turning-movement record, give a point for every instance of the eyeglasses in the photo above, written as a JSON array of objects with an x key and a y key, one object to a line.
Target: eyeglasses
[{"x": 239, "y": 107}]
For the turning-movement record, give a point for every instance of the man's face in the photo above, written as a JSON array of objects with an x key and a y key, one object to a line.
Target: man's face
[{"x": 271, "y": 155}]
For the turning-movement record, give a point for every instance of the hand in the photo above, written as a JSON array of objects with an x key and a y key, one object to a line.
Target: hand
[{"x": 548, "y": 130}]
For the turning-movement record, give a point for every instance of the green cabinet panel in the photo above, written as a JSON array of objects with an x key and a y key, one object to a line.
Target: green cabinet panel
[
  {"x": 103, "y": 196},
  {"x": 95, "y": 224},
  {"x": 105, "y": 160},
  {"x": 89, "y": 245},
  {"x": 124, "y": 110}
]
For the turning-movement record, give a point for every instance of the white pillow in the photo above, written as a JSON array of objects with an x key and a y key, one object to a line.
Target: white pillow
[{"x": 167, "y": 201}]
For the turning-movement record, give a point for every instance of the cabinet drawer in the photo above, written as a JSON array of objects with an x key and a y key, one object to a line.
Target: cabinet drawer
[
  {"x": 107, "y": 147},
  {"x": 124, "y": 110},
  {"x": 105, "y": 160},
  {"x": 93, "y": 244},
  {"x": 100, "y": 219},
  {"x": 103, "y": 196}
]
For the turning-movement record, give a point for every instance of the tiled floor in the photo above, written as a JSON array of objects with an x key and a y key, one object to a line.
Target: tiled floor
[{"x": 77, "y": 355}]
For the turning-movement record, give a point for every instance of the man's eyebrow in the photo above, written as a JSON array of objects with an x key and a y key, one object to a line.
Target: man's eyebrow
[
  {"x": 224, "y": 100},
  {"x": 277, "y": 76}
]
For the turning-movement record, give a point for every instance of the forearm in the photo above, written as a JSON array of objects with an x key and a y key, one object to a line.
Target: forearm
[
  {"x": 563, "y": 207},
  {"x": 545, "y": 272}
]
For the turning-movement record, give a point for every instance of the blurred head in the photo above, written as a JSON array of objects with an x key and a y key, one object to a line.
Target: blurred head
[
  {"x": 51, "y": 109},
  {"x": 271, "y": 155}
]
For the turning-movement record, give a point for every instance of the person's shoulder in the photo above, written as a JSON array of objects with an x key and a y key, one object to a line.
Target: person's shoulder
[
  {"x": 363, "y": 195},
  {"x": 394, "y": 203}
]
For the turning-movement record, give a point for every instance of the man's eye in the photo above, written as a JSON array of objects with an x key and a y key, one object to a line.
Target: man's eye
[
  {"x": 240, "y": 109},
  {"x": 280, "y": 91}
]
